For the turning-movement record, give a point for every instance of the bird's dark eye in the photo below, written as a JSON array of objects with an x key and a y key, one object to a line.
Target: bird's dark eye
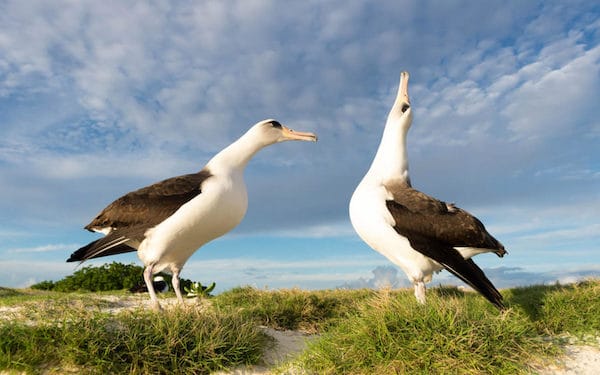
[
  {"x": 405, "y": 107},
  {"x": 276, "y": 124}
]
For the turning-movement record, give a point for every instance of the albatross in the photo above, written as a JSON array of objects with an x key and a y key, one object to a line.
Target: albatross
[
  {"x": 168, "y": 221},
  {"x": 418, "y": 233}
]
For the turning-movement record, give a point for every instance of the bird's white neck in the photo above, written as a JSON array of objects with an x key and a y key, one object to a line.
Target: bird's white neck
[
  {"x": 390, "y": 164},
  {"x": 236, "y": 155},
  {"x": 391, "y": 160}
]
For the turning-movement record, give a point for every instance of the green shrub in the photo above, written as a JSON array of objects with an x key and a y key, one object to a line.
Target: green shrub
[
  {"x": 44, "y": 285},
  {"x": 110, "y": 276},
  {"x": 113, "y": 276}
]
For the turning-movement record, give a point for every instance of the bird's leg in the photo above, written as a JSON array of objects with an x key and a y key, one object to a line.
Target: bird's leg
[
  {"x": 149, "y": 284},
  {"x": 175, "y": 282},
  {"x": 420, "y": 291}
]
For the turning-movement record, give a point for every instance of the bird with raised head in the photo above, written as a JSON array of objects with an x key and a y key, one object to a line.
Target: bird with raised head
[{"x": 420, "y": 234}]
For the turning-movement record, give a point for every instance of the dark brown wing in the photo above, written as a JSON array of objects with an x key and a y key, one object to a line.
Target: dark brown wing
[
  {"x": 150, "y": 205},
  {"x": 420, "y": 213},
  {"x": 133, "y": 214},
  {"x": 451, "y": 260},
  {"x": 434, "y": 228}
]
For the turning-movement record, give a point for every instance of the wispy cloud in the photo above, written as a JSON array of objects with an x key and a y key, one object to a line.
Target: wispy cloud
[
  {"x": 591, "y": 231},
  {"x": 323, "y": 230},
  {"x": 99, "y": 99},
  {"x": 383, "y": 277},
  {"x": 240, "y": 264},
  {"x": 502, "y": 277},
  {"x": 537, "y": 109},
  {"x": 63, "y": 248},
  {"x": 11, "y": 234},
  {"x": 21, "y": 273}
]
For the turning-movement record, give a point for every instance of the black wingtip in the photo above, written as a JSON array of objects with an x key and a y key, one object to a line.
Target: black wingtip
[
  {"x": 112, "y": 244},
  {"x": 82, "y": 254},
  {"x": 74, "y": 258},
  {"x": 472, "y": 275},
  {"x": 491, "y": 294},
  {"x": 485, "y": 287},
  {"x": 498, "y": 303},
  {"x": 79, "y": 254}
]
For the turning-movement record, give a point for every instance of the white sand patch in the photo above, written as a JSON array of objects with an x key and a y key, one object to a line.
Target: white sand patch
[
  {"x": 286, "y": 345},
  {"x": 578, "y": 360}
]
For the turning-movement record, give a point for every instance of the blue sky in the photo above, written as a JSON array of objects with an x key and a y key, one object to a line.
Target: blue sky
[{"x": 101, "y": 98}]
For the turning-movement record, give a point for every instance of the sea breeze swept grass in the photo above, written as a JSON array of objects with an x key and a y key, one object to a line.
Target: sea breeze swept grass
[
  {"x": 392, "y": 334},
  {"x": 179, "y": 340},
  {"x": 360, "y": 331},
  {"x": 455, "y": 333},
  {"x": 562, "y": 311},
  {"x": 293, "y": 309}
]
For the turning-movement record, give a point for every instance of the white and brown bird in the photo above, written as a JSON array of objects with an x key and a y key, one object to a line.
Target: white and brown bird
[
  {"x": 420, "y": 234},
  {"x": 168, "y": 221}
]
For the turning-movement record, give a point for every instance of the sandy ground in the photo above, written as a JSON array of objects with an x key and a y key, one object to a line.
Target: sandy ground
[
  {"x": 579, "y": 360},
  {"x": 287, "y": 344}
]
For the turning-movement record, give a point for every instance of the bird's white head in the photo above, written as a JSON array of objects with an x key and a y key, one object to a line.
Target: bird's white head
[
  {"x": 391, "y": 161},
  {"x": 272, "y": 131},
  {"x": 262, "y": 134},
  {"x": 401, "y": 112}
]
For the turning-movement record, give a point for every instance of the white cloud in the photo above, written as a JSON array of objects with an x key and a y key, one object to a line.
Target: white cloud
[
  {"x": 522, "y": 221},
  {"x": 546, "y": 98},
  {"x": 322, "y": 230},
  {"x": 11, "y": 234},
  {"x": 501, "y": 277},
  {"x": 20, "y": 273},
  {"x": 241, "y": 264},
  {"x": 44, "y": 248},
  {"x": 545, "y": 106},
  {"x": 574, "y": 233},
  {"x": 95, "y": 98},
  {"x": 383, "y": 277}
]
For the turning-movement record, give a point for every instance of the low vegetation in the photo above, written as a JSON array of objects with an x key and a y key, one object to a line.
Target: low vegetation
[
  {"x": 107, "y": 277},
  {"x": 360, "y": 331},
  {"x": 110, "y": 276},
  {"x": 456, "y": 332},
  {"x": 392, "y": 335},
  {"x": 60, "y": 337},
  {"x": 295, "y": 309}
]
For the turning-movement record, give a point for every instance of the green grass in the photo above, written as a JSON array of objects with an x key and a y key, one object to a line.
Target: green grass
[
  {"x": 572, "y": 309},
  {"x": 360, "y": 331},
  {"x": 392, "y": 334},
  {"x": 455, "y": 332},
  {"x": 61, "y": 336},
  {"x": 19, "y": 297},
  {"x": 293, "y": 309}
]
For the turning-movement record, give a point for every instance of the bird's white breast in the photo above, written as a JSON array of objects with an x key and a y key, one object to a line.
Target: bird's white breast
[
  {"x": 219, "y": 208},
  {"x": 373, "y": 222}
]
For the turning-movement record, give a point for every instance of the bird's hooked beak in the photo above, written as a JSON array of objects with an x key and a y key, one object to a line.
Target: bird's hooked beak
[
  {"x": 292, "y": 135},
  {"x": 403, "y": 93},
  {"x": 402, "y": 102}
]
